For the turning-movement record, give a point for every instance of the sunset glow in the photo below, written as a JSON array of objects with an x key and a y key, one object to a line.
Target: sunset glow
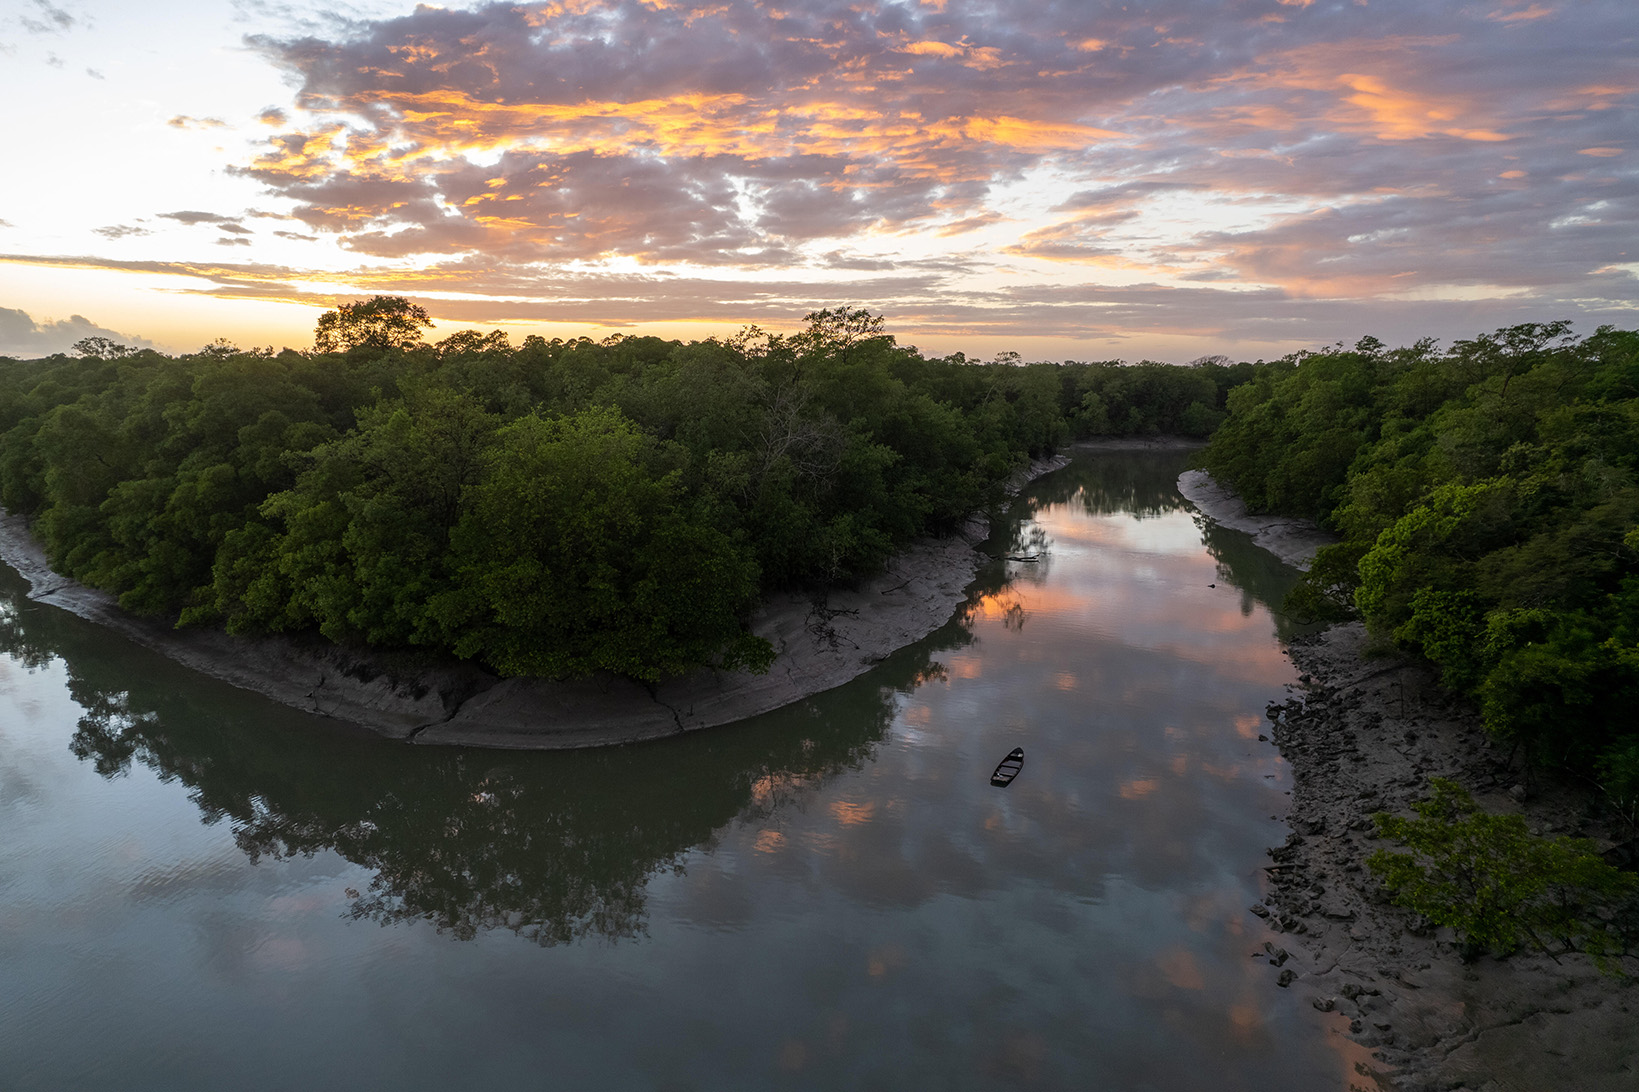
[{"x": 1071, "y": 182}]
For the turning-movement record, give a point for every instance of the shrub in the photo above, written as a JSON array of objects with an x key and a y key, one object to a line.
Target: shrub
[{"x": 1495, "y": 883}]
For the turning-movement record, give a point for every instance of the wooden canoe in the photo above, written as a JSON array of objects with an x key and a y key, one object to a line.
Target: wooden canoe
[{"x": 1008, "y": 768}]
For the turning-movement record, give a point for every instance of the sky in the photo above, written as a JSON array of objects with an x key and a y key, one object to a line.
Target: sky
[{"x": 1065, "y": 179}]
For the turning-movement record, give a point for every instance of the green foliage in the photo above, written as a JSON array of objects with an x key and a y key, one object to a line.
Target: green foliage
[
  {"x": 839, "y": 329},
  {"x": 380, "y": 322},
  {"x": 1490, "y": 496},
  {"x": 101, "y": 348},
  {"x": 557, "y": 507},
  {"x": 1619, "y": 780},
  {"x": 1496, "y": 884},
  {"x": 1326, "y": 592},
  {"x": 577, "y": 555}
]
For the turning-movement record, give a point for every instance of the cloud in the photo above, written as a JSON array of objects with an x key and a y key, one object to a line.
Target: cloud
[
  {"x": 24, "y": 338},
  {"x": 1525, "y": 14},
  {"x": 927, "y": 299},
  {"x": 195, "y": 217},
  {"x": 1343, "y": 150},
  {"x": 464, "y": 132},
  {"x": 229, "y": 224},
  {"x": 121, "y": 231},
  {"x": 183, "y": 121},
  {"x": 51, "y": 19},
  {"x": 1174, "y": 166}
]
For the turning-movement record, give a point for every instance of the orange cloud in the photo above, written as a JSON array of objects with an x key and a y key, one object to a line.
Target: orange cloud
[
  {"x": 1385, "y": 101},
  {"x": 933, "y": 49},
  {"x": 1400, "y": 114},
  {"x": 1532, "y": 13}
]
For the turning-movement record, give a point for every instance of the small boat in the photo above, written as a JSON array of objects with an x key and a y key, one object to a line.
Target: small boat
[{"x": 1009, "y": 768}]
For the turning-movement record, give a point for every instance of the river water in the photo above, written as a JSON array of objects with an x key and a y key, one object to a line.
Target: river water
[{"x": 202, "y": 890}]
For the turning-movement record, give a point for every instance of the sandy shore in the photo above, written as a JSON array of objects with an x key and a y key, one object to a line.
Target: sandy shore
[
  {"x": 1364, "y": 735},
  {"x": 407, "y": 696}
]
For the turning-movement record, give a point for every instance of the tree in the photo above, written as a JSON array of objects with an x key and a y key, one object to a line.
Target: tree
[
  {"x": 380, "y": 322},
  {"x": 837, "y": 329},
  {"x": 101, "y": 348},
  {"x": 579, "y": 555},
  {"x": 219, "y": 349},
  {"x": 1494, "y": 882}
]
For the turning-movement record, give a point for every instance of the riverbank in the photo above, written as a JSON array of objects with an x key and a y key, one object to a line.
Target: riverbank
[
  {"x": 1366, "y": 735},
  {"x": 426, "y": 700},
  {"x": 1294, "y": 541},
  {"x": 1363, "y": 735}
]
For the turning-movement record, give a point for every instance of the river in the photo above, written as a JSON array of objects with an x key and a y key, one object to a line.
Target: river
[{"x": 202, "y": 890}]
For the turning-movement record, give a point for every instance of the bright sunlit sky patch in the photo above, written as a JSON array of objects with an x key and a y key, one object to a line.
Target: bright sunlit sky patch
[{"x": 1068, "y": 180}]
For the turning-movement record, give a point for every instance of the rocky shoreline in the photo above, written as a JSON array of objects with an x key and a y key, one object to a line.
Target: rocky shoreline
[
  {"x": 435, "y": 701},
  {"x": 1364, "y": 735}
]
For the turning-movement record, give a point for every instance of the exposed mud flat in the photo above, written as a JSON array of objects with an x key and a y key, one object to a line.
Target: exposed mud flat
[
  {"x": 432, "y": 700},
  {"x": 1365, "y": 735},
  {"x": 1294, "y": 541}
]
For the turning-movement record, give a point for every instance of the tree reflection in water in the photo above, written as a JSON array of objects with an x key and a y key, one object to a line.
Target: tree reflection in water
[
  {"x": 1110, "y": 485},
  {"x": 553, "y": 846}
]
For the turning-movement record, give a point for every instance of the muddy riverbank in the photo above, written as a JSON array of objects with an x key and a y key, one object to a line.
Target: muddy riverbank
[
  {"x": 1294, "y": 541},
  {"x": 1364, "y": 734}
]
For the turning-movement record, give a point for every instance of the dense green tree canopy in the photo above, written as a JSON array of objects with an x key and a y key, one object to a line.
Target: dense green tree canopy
[
  {"x": 553, "y": 508},
  {"x": 1488, "y": 500}
]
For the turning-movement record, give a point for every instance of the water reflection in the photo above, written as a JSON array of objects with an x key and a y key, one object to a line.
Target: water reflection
[
  {"x": 553, "y": 847},
  {"x": 831, "y": 896}
]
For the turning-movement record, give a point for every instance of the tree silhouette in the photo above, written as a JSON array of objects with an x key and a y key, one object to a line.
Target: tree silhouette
[{"x": 380, "y": 322}]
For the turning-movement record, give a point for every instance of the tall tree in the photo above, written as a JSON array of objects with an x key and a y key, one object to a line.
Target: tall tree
[{"x": 380, "y": 322}]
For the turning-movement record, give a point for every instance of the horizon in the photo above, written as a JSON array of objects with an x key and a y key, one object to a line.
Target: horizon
[{"x": 1078, "y": 182}]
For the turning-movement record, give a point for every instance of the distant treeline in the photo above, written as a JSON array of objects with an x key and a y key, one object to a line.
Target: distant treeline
[
  {"x": 552, "y": 509},
  {"x": 1489, "y": 508}
]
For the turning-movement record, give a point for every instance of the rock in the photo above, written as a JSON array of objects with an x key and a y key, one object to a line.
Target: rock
[
  {"x": 1287, "y": 977},
  {"x": 1324, "y": 1004}
]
